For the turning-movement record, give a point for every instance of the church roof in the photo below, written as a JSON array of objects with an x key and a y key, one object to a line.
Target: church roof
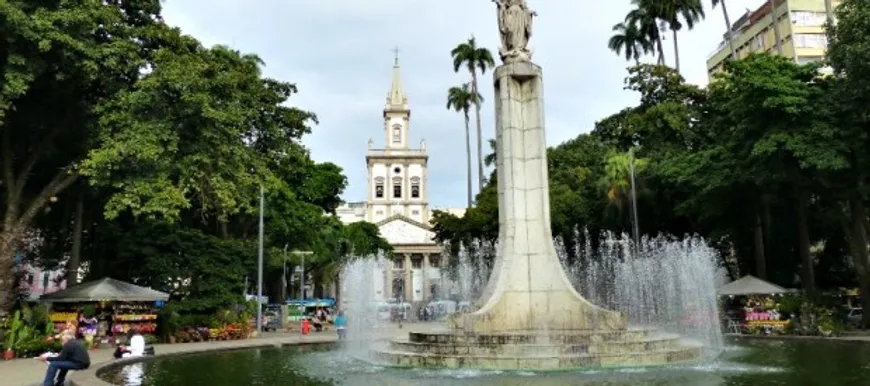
[
  {"x": 396, "y": 98},
  {"x": 405, "y": 219}
]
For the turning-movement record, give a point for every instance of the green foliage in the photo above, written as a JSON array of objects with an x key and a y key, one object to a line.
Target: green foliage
[{"x": 24, "y": 338}]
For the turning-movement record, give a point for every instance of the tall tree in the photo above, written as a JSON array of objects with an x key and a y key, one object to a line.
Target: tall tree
[
  {"x": 629, "y": 40},
  {"x": 677, "y": 14},
  {"x": 60, "y": 62},
  {"x": 849, "y": 55},
  {"x": 729, "y": 34},
  {"x": 474, "y": 59},
  {"x": 775, "y": 23},
  {"x": 829, "y": 11},
  {"x": 647, "y": 22},
  {"x": 460, "y": 99}
]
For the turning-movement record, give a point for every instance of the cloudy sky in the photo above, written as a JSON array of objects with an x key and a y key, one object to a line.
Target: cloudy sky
[{"x": 340, "y": 55}]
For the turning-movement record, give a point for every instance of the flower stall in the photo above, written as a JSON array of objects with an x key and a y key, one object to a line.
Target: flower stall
[{"x": 106, "y": 308}]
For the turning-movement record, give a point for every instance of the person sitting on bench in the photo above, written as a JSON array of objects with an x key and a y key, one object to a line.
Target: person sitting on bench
[
  {"x": 135, "y": 345},
  {"x": 73, "y": 356}
]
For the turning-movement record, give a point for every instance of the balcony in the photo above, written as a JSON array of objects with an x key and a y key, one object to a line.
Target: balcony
[{"x": 397, "y": 153}]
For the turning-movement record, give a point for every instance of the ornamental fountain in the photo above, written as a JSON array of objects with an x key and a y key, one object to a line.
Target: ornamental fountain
[{"x": 529, "y": 315}]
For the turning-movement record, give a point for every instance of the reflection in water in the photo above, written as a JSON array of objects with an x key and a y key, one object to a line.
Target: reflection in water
[
  {"x": 768, "y": 363},
  {"x": 133, "y": 374}
]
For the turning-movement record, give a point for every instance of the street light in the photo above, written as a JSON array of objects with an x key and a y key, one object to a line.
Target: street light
[
  {"x": 302, "y": 271},
  {"x": 634, "y": 203},
  {"x": 260, "y": 267},
  {"x": 301, "y": 278}
]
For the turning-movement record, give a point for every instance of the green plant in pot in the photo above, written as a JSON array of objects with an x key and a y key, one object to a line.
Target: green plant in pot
[{"x": 13, "y": 336}]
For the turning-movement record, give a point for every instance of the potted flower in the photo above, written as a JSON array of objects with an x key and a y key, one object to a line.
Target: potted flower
[{"x": 10, "y": 343}]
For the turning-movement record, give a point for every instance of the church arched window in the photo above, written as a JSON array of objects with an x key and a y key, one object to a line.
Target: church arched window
[
  {"x": 415, "y": 187},
  {"x": 397, "y": 133},
  {"x": 379, "y": 187},
  {"x": 397, "y": 187}
]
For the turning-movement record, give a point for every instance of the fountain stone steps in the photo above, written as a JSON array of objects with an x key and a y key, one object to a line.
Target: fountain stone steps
[
  {"x": 533, "y": 337},
  {"x": 657, "y": 343},
  {"x": 683, "y": 354}
]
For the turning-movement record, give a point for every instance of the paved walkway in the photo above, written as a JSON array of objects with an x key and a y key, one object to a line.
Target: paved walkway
[{"x": 30, "y": 372}]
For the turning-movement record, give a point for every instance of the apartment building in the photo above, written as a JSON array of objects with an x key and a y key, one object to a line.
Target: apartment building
[{"x": 801, "y": 27}]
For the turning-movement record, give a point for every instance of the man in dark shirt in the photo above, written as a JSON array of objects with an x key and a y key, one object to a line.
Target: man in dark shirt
[{"x": 73, "y": 356}]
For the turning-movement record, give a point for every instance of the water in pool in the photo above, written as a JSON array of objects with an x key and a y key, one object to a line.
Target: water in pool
[{"x": 750, "y": 363}]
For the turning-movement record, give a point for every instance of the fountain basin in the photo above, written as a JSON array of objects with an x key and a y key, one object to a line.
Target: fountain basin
[{"x": 550, "y": 350}]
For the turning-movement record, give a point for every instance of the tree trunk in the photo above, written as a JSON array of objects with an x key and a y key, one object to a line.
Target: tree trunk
[
  {"x": 75, "y": 257},
  {"x": 829, "y": 11},
  {"x": 777, "y": 35},
  {"x": 856, "y": 236},
  {"x": 475, "y": 93},
  {"x": 729, "y": 35},
  {"x": 468, "y": 157},
  {"x": 758, "y": 248},
  {"x": 676, "y": 52},
  {"x": 338, "y": 290},
  {"x": 9, "y": 242},
  {"x": 807, "y": 272},
  {"x": 661, "y": 49}
]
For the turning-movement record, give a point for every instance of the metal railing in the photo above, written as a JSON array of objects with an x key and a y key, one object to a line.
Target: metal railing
[{"x": 415, "y": 152}]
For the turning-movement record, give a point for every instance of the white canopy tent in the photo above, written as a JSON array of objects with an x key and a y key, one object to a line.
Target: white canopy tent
[{"x": 750, "y": 285}]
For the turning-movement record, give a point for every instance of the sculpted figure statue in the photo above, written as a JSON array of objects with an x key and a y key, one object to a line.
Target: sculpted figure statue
[{"x": 515, "y": 28}]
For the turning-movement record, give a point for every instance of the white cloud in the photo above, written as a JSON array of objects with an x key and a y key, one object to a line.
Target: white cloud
[{"x": 338, "y": 52}]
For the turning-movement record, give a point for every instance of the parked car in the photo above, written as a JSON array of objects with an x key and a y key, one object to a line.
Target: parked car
[{"x": 854, "y": 316}]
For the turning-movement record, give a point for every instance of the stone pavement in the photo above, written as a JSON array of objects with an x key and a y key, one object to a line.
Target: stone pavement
[{"x": 30, "y": 372}]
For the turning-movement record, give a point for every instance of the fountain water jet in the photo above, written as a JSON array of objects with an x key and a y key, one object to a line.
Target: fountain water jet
[{"x": 529, "y": 315}]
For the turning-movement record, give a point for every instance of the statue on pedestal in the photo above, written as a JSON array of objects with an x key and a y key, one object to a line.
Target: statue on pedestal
[{"x": 515, "y": 29}]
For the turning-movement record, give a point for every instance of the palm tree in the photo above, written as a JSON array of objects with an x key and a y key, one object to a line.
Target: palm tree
[
  {"x": 776, "y": 34},
  {"x": 646, "y": 23},
  {"x": 491, "y": 158},
  {"x": 829, "y": 12},
  {"x": 628, "y": 38},
  {"x": 677, "y": 14},
  {"x": 729, "y": 34},
  {"x": 474, "y": 58},
  {"x": 460, "y": 99},
  {"x": 618, "y": 180}
]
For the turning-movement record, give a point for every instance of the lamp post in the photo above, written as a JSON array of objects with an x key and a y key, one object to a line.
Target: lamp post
[
  {"x": 301, "y": 271},
  {"x": 260, "y": 267},
  {"x": 636, "y": 228},
  {"x": 302, "y": 274}
]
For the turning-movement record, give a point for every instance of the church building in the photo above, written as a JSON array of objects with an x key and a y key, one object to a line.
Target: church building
[{"x": 398, "y": 204}]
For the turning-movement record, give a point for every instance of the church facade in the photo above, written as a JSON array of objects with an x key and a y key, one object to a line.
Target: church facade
[{"x": 397, "y": 202}]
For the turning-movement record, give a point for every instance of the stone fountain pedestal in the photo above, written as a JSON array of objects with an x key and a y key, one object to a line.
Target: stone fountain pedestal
[
  {"x": 528, "y": 289},
  {"x": 529, "y": 315}
]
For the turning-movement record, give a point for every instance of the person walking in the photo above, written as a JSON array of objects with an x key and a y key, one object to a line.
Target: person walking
[
  {"x": 73, "y": 356},
  {"x": 341, "y": 325}
]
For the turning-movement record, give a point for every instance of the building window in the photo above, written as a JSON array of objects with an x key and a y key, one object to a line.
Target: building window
[
  {"x": 417, "y": 261},
  {"x": 379, "y": 187},
  {"x": 434, "y": 261},
  {"x": 30, "y": 279},
  {"x": 380, "y": 212},
  {"x": 810, "y": 41},
  {"x": 415, "y": 187},
  {"x": 807, "y": 18},
  {"x": 758, "y": 43},
  {"x": 399, "y": 263},
  {"x": 415, "y": 212},
  {"x": 45, "y": 280},
  {"x": 397, "y": 187},
  {"x": 397, "y": 133},
  {"x": 809, "y": 59}
]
